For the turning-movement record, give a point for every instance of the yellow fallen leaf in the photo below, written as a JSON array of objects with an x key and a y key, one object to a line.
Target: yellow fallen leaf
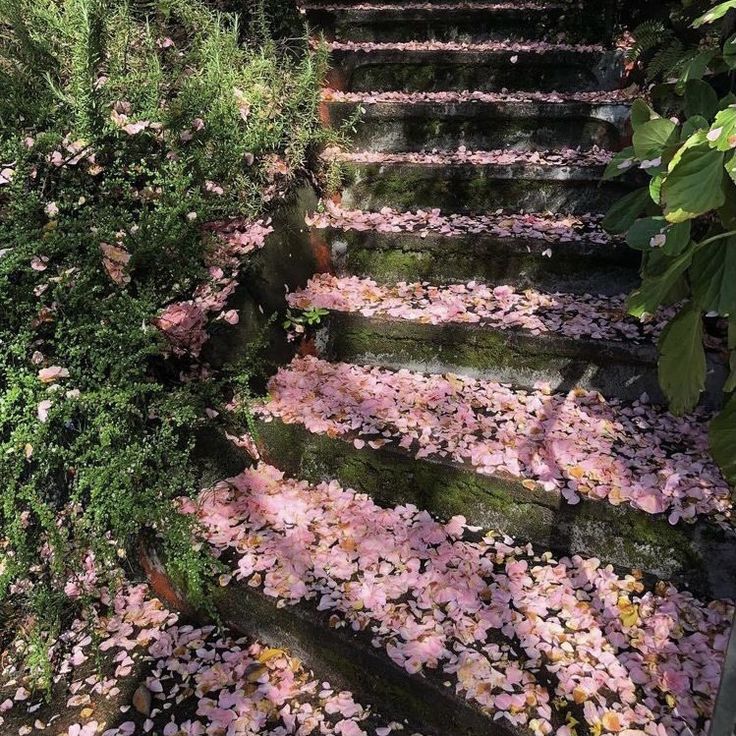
[{"x": 268, "y": 654}]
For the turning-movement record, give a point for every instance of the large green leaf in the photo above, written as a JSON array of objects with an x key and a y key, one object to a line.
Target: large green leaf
[
  {"x": 621, "y": 162},
  {"x": 723, "y": 440},
  {"x": 729, "y": 52},
  {"x": 713, "y": 277},
  {"x": 682, "y": 364},
  {"x": 656, "y": 232},
  {"x": 623, "y": 214},
  {"x": 700, "y": 99},
  {"x": 695, "y": 68},
  {"x": 714, "y": 14},
  {"x": 694, "y": 184},
  {"x": 641, "y": 113},
  {"x": 651, "y": 140},
  {"x": 659, "y": 282},
  {"x": 722, "y": 134},
  {"x": 693, "y": 125}
]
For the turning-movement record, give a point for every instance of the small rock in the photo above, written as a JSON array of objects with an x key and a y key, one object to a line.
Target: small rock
[{"x": 142, "y": 700}]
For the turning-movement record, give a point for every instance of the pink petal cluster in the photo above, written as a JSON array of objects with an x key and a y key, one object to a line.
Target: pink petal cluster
[
  {"x": 451, "y": 97},
  {"x": 433, "y": 6},
  {"x": 525, "y": 636},
  {"x": 199, "y": 681},
  {"x": 536, "y": 226},
  {"x": 462, "y": 156},
  {"x": 526, "y": 46},
  {"x": 184, "y": 323},
  {"x": 501, "y": 307},
  {"x": 571, "y": 444}
]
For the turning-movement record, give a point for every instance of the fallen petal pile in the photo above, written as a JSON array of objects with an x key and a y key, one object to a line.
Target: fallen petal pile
[
  {"x": 570, "y": 444},
  {"x": 463, "y": 156},
  {"x": 530, "y": 638},
  {"x": 532, "y": 225},
  {"x": 501, "y": 307},
  {"x": 451, "y": 97}
]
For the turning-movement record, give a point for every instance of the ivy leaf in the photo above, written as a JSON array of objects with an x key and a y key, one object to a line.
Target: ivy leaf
[
  {"x": 641, "y": 113},
  {"x": 660, "y": 278},
  {"x": 656, "y": 232},
  {"x": 694, "y": 184},
  {"x": 700, "y": 99},
  {"x": 723, "y": 440},
  {"x": 722, "y": 134},
  {"x": 653, "y": 138},
  {"x": 623, "y": 214},
  {"x": 682, "y": 364},
  {"x": 714, "y": 14},
  {"x": 622, "y": 162},
  {"x": 713, "y": 277}
]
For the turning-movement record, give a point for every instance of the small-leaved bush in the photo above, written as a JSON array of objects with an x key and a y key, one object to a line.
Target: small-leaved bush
[
  {"x": 684, "y": 219},
  {"x": 124, "y": 127}
]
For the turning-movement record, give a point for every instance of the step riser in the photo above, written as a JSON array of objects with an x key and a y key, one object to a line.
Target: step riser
[
  {"x": 384, "y": 26},
  {"x": 510, "y": 356},
  {"x": 478, "y": 126},
  {"x": 693, "y": 555},
  {"x": 431, "y": 72},
  {"x": 576, "y": 268},
  {"x": 475, "y": 189}
]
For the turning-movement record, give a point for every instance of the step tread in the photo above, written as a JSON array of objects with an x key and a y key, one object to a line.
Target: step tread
[
  {"x": 546, "y": 228},
  {"x": 502, "y": 307},
  {"x": 527, "y": 639},
  {"x": 506, "y": 46},
  {"x": 452, "y": 97},
  {"x": 432, "y": 8},
  {"x": 462, "y": 156},
  {"x": 575, "y": 444}
]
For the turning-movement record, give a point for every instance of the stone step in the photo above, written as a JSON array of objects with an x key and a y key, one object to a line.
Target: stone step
[
  {"x": 458, "y": 21},
  {"x": 489, "y": 66},
  {"x": 567, "y": 471},
  {"x": 472, "y": 633},
  {"x": 408, "y": 122},
  {"x": 461, "y": 181},
  {"x": 554, "y": 253},
  {"x": 501, "y": 333}
]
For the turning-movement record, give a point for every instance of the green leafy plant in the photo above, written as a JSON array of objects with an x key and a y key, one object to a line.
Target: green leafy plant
[
  {"x": 297, "y": 322},
  {"x": 124, "y": 127},
  {"x": 684, "y": 223}
]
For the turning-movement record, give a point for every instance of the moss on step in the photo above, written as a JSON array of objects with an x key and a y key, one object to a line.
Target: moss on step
[
  {"x": 702, "y": 556},
  {"x": 624, "y": 371},
  {"x": 575, "y": 267},
  {"x": 469, "y": 188}
]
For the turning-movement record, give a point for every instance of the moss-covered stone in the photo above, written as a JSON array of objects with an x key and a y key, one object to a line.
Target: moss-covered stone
[
  {"x": 701, "y": 555},
  {"x": 577, "y": 267},
  {"x": 468, "y": 188},
  {"x": 623, "y": 371}
]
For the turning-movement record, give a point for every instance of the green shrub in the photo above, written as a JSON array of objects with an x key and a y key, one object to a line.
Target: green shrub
[
  {"x": 122, "y": 127},
  {"x": 684, "y": 220}
]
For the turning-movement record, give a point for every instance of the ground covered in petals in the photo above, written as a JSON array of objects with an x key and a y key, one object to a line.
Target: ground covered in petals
[
  {"x": 538, "y": 642},
  {"x": 455, "y": 97},
  {"x": 502, "y": 307},
  {"x": 574, "y": 444},
  {"x": 188, "y": 681},
  {"x": 463, "y": 156},
  {"x": 534, "y": 47},
  {"x": 532, "y": 225}
]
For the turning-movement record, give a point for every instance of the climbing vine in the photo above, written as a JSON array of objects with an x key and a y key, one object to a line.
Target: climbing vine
[{"x": 684, "y": 219}]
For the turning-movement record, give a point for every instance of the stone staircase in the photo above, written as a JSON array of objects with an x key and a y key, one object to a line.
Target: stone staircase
[{"x": 499, "y": 566}]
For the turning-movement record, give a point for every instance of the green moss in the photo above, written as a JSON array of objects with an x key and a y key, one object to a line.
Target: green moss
[{"x": 619, "y": 535}]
